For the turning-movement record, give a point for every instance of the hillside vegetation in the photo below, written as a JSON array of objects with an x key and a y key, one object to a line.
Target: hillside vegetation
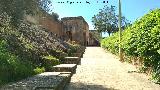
[
  {"x": 140, "y": 43},
  {"x": 28, "y": 50}
]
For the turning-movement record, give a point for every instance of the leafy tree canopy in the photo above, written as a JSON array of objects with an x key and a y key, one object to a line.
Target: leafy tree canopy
[
  {"x": 55, "y": 16},
  {"x": 107, "y": 20}
]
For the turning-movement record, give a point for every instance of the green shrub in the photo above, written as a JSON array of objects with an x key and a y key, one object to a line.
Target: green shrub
[
  {"x": 11, "y": 67},
  {"x": 111, "y": 43},
  {"x": 73, "y": 48},
  {"x": 141, "y": 39},
  {"x": 49, "y": 62},
  {"x": 39, "y": 70}
]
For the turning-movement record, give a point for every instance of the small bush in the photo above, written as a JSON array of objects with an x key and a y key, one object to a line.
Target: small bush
[
  {"x": 49, "y": 62},
  {"x": 39, "y": 70}
]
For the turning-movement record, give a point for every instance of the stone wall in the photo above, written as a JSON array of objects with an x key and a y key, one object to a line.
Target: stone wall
[
  {"x": 76, "y": 29},
  {"x": 48, "y": 22},
  {"x": 68, "y": 28},
  {"x": 87, "y": 33},
  {"x": 52, "y": 25},
  {"x": 94, "y": 38}
]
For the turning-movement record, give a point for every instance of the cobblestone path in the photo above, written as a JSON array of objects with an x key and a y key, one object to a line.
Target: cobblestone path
[{"x": 102, "y": 71}]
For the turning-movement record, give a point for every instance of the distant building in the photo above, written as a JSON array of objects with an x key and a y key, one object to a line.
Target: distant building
[
  {"x": 94, "y": 38},
  {"x": 76, "y": 29},
  {"x": 67, "y": 29}
]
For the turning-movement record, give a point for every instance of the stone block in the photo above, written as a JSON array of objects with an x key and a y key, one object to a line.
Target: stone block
[
  {"x": 65, "y": 68},
  {"x": 77, "y": 55},
  {"x": 44, "y": 81},
  {"x": 70, "y": 60}
]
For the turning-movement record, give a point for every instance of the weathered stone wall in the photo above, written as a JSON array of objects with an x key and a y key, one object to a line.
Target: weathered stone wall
[
  {"x": 94, "y": 38},
  {"x": 47, "y": 22},
  {"x": 52, "y": 25},
  {"x": 86, "y": 30},
  {"x": 69, "y": 28},
  {"x": 77, "y": 28}
]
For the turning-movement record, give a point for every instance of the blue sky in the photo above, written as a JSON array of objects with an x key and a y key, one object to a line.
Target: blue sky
[{"x": 131, "y": 9}]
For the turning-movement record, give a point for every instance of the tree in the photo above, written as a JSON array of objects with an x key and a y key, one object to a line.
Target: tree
[
  {"x": 55, "y": 16},
  {"x": 107, "y": 20},
  {"x": 17, "y": 8}
]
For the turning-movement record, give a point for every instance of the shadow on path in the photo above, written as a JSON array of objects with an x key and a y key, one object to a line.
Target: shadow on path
[{"x": 83, "y": 86}]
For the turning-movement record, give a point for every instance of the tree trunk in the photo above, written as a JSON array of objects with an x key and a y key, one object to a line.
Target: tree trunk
[
  {"x": 109, "y": 34},
  {"x": 101, "y": 34}
]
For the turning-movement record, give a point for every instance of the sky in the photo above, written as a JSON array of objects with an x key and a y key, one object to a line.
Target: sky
[{"x": 131, "y": 9}]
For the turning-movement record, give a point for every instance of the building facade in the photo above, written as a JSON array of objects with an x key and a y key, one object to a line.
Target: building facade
[
  {"x": 76, "y": 29},
  {"x": 68, "y": 28}
]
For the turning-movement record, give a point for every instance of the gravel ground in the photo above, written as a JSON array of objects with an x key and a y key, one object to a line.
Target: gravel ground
[{"x": 102, "y": 71}]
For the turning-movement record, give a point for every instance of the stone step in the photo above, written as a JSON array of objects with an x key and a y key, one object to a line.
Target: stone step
[
  {"x": 77, "y": 55},
  {"x": 65, "y": 68},
  {"x": 44, "y": 81},
  {"x": 71, "y": 60}
]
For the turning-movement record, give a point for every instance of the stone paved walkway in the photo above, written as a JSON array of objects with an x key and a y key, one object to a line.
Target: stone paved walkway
[{"x": 102, "y": 71}]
